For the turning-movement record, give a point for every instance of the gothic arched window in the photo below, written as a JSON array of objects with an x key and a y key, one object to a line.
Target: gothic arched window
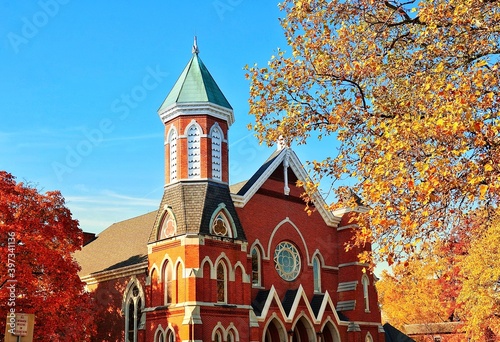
[
  {"x": 167, "y": 282},
  {"x": 221, "y": 225},
  {"x": 218, "y": 336},
  {"x": 170, "y": 336},
  {"x": 366, "y": 282},
  {"x": 194, "y": 147},
  {"x": 256, "y": 260},
  {"x": 317, "y": 274},
  {"x": 216, "y": 135},
  {"x": 221, "y": 283},
  {"x": 133, "y": 305},
  {"x": 172, "y": 142},
  {"x": 168, "y": 227}
]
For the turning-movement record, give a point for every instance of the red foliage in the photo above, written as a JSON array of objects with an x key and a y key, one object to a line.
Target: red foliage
[{"x": 37, "y": 272}]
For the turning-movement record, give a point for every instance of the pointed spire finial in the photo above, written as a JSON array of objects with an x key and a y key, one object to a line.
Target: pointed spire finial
[{"x": 195, "y": 46}]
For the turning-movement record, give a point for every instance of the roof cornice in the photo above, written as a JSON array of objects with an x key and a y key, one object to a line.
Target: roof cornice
[
  {"x": 196, "y": 108},
  {"x": 126, "y": 271}
]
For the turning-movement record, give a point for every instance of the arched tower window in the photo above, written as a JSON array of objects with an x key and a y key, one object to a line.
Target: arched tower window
[
  {"x": 317, "y": 274},
  {"x": 221, "y": 225},
  {"x": 221, "y": 283},
  {"x": 172, "y": 142},
  {"x": 132, "y": 306},
  {"x": 168, "y": 226},
  {"x": 167, "y": 282},
  {"x": 256, "y": 264},
  {"x": 368, "y": 337},
  {"x": 216, "y": 135},
  {"x": 366, "y": 282},
  {"x": 194, "y": 146}
]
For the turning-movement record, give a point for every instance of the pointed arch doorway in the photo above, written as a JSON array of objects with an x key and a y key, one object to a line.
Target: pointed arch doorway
[{"x": 274, "y": 332}]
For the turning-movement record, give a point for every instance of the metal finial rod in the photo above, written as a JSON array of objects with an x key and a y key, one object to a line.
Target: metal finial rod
[{"x": 195, "y": 46}]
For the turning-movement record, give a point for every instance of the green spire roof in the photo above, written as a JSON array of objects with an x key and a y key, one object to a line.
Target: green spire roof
[{"x": 195, "y": 85}]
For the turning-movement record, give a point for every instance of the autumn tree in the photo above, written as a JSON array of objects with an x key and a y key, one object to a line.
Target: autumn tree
[
  {"x": 411, "y": 294},
  {"x": 37, "y": 272},
  {"x": 457, "y": 280},
  {"x": 410, "y": 90},
  {"x": 425, "y": 288},
  {"x": 480, "y": 294}
]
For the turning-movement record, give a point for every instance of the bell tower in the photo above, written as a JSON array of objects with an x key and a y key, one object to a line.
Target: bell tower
[
  {"x": 197, "y": 116},
  {"x": 197, "y": 249}
]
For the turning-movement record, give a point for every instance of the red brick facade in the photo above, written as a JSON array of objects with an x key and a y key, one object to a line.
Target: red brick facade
[{"x": 240, "y": 264}]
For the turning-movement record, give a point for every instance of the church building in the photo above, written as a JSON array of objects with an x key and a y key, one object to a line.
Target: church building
[{"x": 227, "y": 263}]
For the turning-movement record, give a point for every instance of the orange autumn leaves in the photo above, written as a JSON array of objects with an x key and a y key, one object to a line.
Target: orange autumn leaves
[
  {"x": 410, "y": 91},
  {"x": 45, "y": 276}
]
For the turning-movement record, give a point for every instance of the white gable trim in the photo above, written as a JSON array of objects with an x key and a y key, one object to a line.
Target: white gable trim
[
  {"x": 296, "y": 166},
  {"x": 293, "y": 314}
]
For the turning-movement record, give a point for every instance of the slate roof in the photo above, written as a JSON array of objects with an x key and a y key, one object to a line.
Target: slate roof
[
  {"x": 121, "y": 244},
  {"x": 316, "y": 302},
  {"x": 259, "y": 301},
  {"x": 242, "y": 187},
  {"x": 288, "y": 300},
  {"x": 185, "y": 200},
  {"x": 195, "y": 84}
]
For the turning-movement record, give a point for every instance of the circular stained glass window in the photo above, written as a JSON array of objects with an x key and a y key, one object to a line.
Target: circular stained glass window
[{"x": 287, "y": 261}]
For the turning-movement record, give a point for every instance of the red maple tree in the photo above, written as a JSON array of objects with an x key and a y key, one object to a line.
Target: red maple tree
[{"x": 37, "y": 271}]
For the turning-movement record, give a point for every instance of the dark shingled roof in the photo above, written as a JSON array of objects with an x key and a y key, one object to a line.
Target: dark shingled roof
[
  {"x": 185, "y": 200},
  {"x": 342, "y": 316},
  {"x": 259, "y": 301},
  {"x": 316, "y": 302},
  {"x": 121, "y": 244},
  {"x": 288, "y": 300},
  {"x": 243, "y": 188}
]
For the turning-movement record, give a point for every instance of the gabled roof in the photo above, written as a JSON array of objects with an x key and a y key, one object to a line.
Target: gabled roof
[
  {"x": 121, "y": 245},
  {"x": 245, "y": 191},
  {"x": 195, "y": 84}
]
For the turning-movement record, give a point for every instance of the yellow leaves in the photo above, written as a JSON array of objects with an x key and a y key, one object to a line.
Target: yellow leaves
[
  {"x": 480, "y": 270},
  {"x": 440, "y": 67},
  {"x": 481, "y": 63},
  {"x": 483, "y": 188},
  {"x": 425, "y": 140}
]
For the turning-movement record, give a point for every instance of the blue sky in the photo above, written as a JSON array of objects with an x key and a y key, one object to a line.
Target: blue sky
[{"x": 81, "y": 83}]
